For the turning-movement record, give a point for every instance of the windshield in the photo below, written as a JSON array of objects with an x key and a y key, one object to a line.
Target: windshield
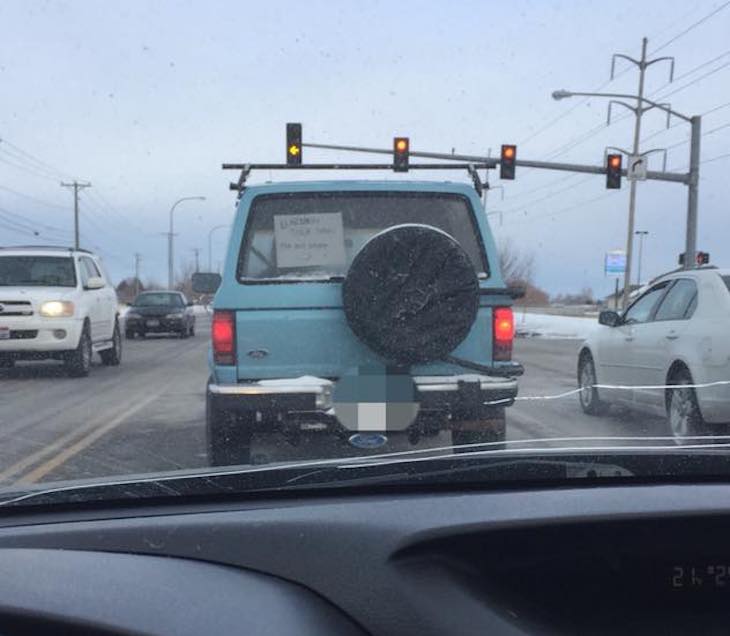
[
  {"x": 317, "y": 235},
  {"x": 39, "y": 271},
  {"x": 245, "y": 236},
  {"x": 158, "y": 300}
]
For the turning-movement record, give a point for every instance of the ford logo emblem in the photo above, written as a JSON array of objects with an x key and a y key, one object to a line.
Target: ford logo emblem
[{"x": 368, "y": 440}]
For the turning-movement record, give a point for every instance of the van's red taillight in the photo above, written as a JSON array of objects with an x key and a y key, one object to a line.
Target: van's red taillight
[
  {"x": 503, "y": 331},
  {"x": 223, "y": 332}
]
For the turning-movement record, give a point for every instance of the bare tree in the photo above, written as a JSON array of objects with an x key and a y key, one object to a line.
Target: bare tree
[{"x": 518, "y": 266}]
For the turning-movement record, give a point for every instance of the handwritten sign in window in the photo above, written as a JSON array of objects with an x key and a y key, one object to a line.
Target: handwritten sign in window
[{"x": 309, "y": 240}]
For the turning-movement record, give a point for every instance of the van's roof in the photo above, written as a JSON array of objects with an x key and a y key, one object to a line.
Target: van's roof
[{"x": 449, "y": 187}]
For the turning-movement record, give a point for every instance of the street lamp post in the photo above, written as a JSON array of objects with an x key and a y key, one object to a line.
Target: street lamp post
[
  {"x": 641, "y": 234},
  {"x": 170, "y": 238},
  {"x": 210, "y": 245},
  {"x": 691, "y": 179}
]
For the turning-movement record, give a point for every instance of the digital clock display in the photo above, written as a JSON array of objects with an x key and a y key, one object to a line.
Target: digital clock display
[{"x": 687, "y": 576}]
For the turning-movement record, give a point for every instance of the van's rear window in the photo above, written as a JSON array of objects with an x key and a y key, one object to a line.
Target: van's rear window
[{"x": 315, "y": 236}]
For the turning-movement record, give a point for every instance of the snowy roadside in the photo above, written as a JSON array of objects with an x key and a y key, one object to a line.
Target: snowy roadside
[{"x": 529, "y": 325}]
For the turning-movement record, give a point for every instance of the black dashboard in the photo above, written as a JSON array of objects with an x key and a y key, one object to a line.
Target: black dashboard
[{"x": 616, "y": 559}]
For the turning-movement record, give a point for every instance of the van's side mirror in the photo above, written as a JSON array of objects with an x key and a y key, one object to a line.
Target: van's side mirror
[
  {"x": 609, "y": 318},
  {"x": 206, "y": 283}
]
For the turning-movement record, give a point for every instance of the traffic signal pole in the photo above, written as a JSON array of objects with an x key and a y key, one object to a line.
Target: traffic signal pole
[
  {"x": 638, "y": 111},
  {"x": 493, "y": 162},
  {"x": 690, "y": 250}
]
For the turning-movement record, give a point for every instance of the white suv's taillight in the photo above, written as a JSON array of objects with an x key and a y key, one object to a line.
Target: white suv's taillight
[
  {"x": 503, "y": 332},
  {"x": 223, "y": 332}
]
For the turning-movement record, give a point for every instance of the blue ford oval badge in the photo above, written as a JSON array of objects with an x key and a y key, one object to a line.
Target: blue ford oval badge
[{"x": 368, "y": 440}]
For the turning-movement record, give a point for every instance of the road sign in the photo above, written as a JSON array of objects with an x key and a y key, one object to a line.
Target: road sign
[
  {"x": 636, "y": 170},
  {"x": 615, "y": 263}
]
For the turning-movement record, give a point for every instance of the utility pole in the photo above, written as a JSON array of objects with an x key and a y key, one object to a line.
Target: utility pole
[
  {"x": 137, "y": 259},
  {"x": 638, "y": 111},
  {"x": 170, "y": 241},
  {"x": 197, "y": 258},
  {"x": 76, "y": 187},
  {"x": 641, "y": 234}
]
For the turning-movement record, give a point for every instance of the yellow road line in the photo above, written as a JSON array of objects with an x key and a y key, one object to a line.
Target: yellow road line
[
  {"x": 83, "y": 443},
  {"x": 34, "y": 458}
]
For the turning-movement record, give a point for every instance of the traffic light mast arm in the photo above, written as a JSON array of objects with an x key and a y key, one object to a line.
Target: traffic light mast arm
[{"x": 492, "y": 162}]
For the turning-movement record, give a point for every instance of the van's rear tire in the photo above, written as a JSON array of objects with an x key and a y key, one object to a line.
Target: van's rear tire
[{"x": 228, "y": 436}]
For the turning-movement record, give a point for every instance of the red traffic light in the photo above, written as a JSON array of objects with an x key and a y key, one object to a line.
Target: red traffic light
[
  {"x": 507, "y": 159},
  {"x": 613, "y": 171},
  {"x": 401, "y": 152}
]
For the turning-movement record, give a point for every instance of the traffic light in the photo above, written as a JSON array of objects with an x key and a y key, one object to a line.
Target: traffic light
[
  {"x": 701, "y": 258},
  {"x": 507, "y": 161},
  {"x": 613, "y": 172},
  {"x": 401, "y": 150},
  {"x": 293, "y": 144}
]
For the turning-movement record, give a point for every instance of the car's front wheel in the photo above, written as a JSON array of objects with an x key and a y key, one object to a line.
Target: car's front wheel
[
  {"x": 78, "y": 361},
  {"x": 683, "y": 411},
  {"x": 112, "y": 357},
  {"x": 228, "y": 436},
  {"x": 588, "y": 395},
  {"x": 489, "y": 433}
]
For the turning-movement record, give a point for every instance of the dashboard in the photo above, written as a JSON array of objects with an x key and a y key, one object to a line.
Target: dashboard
[{"x": 614, "y": 559}]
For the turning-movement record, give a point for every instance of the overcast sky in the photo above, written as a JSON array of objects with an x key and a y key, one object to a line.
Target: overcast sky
[{"x": 146, "y": 99}]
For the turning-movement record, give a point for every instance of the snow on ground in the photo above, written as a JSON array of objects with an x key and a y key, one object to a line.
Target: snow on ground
[{"x": 528, "y": 325}]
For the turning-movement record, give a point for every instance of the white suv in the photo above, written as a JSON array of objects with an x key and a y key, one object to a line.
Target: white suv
[{"x": 57, "y": 303}]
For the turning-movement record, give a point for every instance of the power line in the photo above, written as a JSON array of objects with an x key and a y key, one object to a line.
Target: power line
[
  {"x": 694, "y": 81},
  {"x": 549, "y": 195},
  {"x": 699, "y": 66},
  {"x": 28, "y": 170},
  {"x": 581, "y": 102},
  {"x": 692, "y": 26},
  {"x": 572, "y": 207},
  {"x": 30, "y": 158},
  {"x": 30, "y": 223},
  {"x": 32, "y": 198},
  {"x": 718, "y": 157}
]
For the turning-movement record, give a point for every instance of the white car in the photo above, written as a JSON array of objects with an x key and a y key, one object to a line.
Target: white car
[
  {"x": 676, "y": 333},
  {"x": 57, "y": 303}
]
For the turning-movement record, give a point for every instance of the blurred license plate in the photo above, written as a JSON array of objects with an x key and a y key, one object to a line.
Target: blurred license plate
[
  {"x": 4, "y": 333},
  {"x": 153, "y": 323}
]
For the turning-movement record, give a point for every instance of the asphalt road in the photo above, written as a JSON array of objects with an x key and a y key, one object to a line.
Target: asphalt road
[{"x": 147, "y": 415}]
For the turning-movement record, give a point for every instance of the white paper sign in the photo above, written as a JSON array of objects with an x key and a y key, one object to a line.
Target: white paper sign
[{"x": 309, "y": 240}]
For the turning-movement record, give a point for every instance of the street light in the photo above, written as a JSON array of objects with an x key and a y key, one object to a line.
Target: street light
[
  {"x": 691, "y": 180},
  {"x": 210, "y": 245},
  {"x": 170, "y": 237},
  {"x": 641, "y": 234}
]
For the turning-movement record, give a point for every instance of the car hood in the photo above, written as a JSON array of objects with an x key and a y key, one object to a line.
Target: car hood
[
  {"x": 36, "y": 295},
  {"x": 154, "y": 310}
]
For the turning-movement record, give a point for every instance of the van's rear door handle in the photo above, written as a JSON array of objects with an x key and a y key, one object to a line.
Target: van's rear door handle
[
  {"x": 629, "y": 338},
  {"x": 672, "y": 336}
]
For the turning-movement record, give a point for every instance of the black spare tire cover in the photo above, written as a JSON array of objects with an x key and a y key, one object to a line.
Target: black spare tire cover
[{"x": 411, "y": 294}]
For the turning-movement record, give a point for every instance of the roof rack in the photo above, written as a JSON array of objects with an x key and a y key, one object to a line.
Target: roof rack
[
  {"x": 61, "y": 248},
  {"x": 246, "y": 168}
]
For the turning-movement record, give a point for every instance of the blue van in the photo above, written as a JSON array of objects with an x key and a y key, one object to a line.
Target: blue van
[{"x": 385, "y": 297}]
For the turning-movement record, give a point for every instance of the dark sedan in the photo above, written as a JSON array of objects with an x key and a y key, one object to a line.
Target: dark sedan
[{"x": 160, "y": 312}]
